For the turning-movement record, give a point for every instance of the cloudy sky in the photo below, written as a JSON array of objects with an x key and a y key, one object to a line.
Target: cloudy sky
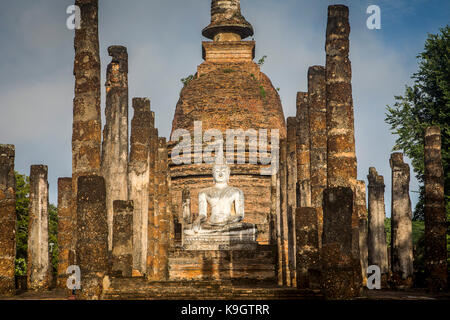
[{"x": 164, "y": 44}]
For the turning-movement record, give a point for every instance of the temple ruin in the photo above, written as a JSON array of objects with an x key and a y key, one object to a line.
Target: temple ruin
[{"x": 256, "y": 205}]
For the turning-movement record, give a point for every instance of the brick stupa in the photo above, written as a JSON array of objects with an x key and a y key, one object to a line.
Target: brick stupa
[{"x": 229, "y": 91}]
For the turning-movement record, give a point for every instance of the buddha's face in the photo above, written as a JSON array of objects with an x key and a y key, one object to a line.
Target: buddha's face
[{"x": 221, "y": 173}]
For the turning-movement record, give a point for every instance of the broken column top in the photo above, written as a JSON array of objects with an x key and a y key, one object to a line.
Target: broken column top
[
  {"x": 397, "y": 163},
  {"x": 119, "y": 55},
  {"x": 226, "y": 18},
  {"x": 433, "y": 131},
  {"x": 374, "y": 178},
  {"x": 123, "y": 207},
  {"x": 7, "y": 149},
  {"x": 141, "y": 104},
  {"x": 338, "y": 10},
  {"x": 118, "y": 52},
  {"x": 38, "y": 169},
  {"x": 316, "y": 71},
  {"x": 338, "y": 28}
]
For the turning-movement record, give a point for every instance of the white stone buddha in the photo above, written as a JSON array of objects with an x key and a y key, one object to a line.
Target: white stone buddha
[
  {"x": 221, "y": 197},
  {"x": 223, "y": 226}
]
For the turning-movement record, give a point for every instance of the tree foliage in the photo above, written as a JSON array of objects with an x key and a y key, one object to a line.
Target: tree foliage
[
  {"x": 22, "y": 204},
  {"x": 425, "y": 103}
]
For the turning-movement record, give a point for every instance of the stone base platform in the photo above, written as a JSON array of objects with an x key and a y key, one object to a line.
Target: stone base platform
[
  {"x": 237, "y": 236},
  {"x": 257, "y": 264},
  {"x": 140, "y": 289}
]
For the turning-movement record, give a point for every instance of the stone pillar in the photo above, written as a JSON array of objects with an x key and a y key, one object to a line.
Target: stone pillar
[
  {"x": 401, "y": 223},
  {"x": 341, "y": 273},
  {"x": 284, "y": 228},
  {"x": 122, "y": 252},
  {"x": 7, "y": 219},
  {"x": 86, "y": 130},
  {"x": 138, "y": 180},
  {"x": 92, "y": 241},
  {"x": 303, "y": 152},
  {"x": 341, "y": 157},
  {"x": 361, "y": 209},
  {"x": 39, "y": 268},
  {"x": 162, "y": 216},
  {"x": 435, "y": 215},
  {"x": 152, "y": 204},
  {"x": 115, "y": 132},
  {"x": 307, "y": 246},
  {"x": 291, "y": 157},
  {"x": 67, "y": 225},
  {"x": 318, "y": 136},
  {"x": 377, "y": 246},
  {"x": 277, "y": 210}
]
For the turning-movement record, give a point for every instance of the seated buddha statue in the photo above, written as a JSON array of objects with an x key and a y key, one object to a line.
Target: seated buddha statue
[{"x": 223, "y": 225}]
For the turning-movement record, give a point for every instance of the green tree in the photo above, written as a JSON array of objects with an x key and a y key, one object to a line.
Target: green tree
[
  {"x": 425, "y": 103},
  {"x": 22, "y": 203},
  {"x": 53, "y": 235}
]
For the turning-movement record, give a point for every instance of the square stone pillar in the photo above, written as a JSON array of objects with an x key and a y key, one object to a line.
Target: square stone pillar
[
  {"x": 92, "y": 241},
  {"x": 377, "y": 246},
  {"x": 291, "y": 180},
  {"x": 341, "y": 271},
  {"x": 307, "y": 246},
  {"x": 303, "y": 151},
  {"x": 122, "y": 252},
  {"x": 39, "y": 269},
  {"x": 67, "y": 225},
  {"x": 7, "y": 219},
  {"x": 435, "y": 215},
  {"x": 401, "y": 224},
  {"x": 114, "y": 164}
]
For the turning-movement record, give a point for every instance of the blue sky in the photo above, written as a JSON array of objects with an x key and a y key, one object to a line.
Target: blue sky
[{"x": 164, "y": 44}]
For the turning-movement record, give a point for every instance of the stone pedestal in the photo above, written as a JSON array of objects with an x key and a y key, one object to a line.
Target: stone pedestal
[
  {"x": 237, "y": 236},
  {"x": 253, "y": 265}
]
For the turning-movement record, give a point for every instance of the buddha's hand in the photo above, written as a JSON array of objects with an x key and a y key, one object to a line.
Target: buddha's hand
[
  {"x": 234, "y": 219},
  {"x": 197, "y": 224}
]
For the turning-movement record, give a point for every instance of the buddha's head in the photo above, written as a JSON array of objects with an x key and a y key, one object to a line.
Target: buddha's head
[{"x": 221, "y": 171}]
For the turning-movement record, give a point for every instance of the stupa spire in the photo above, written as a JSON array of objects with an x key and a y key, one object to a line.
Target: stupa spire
[{"x": 227, "y": 22}]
